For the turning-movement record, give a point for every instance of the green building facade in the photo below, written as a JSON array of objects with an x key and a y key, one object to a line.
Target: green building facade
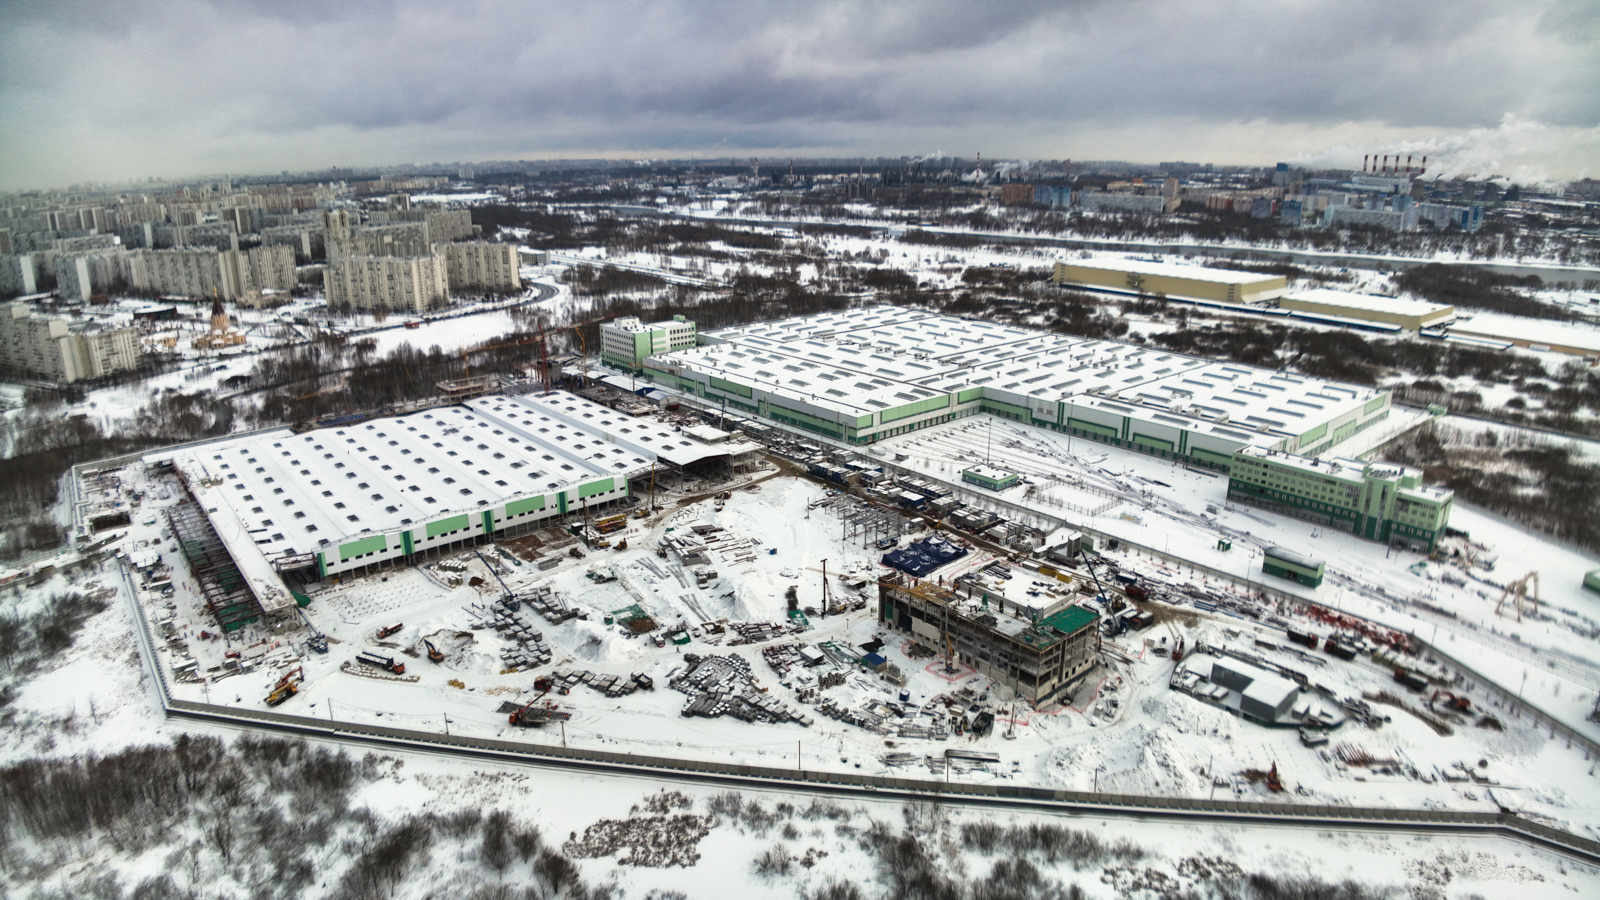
[
  {"x": 1288, "y": 564},
  {"x": 1376, "y": 501}
]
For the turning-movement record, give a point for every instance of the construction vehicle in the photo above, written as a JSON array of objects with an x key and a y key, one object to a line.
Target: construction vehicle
[
  {"x": 433, "y": 652},
  {"x": 611, "y": 523},
  {"x": 287, "y": 686},
  {"x": 533, "y": 715},
  {"x": 505, "y": 597},
  {"x": 1274, "y": 783},
  {"x": 1519, "y": 590},
  {"x": 1450, "y": 702},
  {"x": 318, "y": 641},
  {"x": 386, "y": 663},
  {"x": 1177, "y": 650},
  {"x": 622, "y": 544},
  {"x": 391, "y": 630}
]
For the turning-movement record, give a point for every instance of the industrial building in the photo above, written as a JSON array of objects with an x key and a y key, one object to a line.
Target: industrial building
[
  {"x": 627, "y": 342},
  {"x": 276, "y": 509},
  {"x": 1251, "y": 692},
  {"x": 1411, "y": 315},
  {"x": 1532, "y": 334},
  {"x": 1163, "y": 279},
  {"x": 1039, "y": 646},
  {"x": 862, "y": 375},
  {"x": 989, "y": 477},
  {"x": 1376, "y": 501},
  {"x": 1293, "y": 566}
]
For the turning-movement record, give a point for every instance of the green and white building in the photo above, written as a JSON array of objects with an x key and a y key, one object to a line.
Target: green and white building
[
  {"x": 626, "y": 342},
  {"x": 985, "y": 476},
  {"x": 862, "y": 375},
  {"x": 1377, "y": 501},
  {"x": 341, "y": 500}
]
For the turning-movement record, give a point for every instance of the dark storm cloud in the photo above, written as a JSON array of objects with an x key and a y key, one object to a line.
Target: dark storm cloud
[{"x": 91, "y": 89}]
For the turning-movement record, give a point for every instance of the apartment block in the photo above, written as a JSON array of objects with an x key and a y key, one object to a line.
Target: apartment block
[
  {"x": 204, "y": 272},
  {"x": 411, "y": 283},
  {"x": 1376, "y": 501},
  {"x": 61, "y": 350},
  {"x": 482, "y": 265}
]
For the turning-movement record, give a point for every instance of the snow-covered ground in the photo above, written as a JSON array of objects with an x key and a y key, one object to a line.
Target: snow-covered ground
[
  {"x": 1184, "y": 512},
  {"x": 1122, "y": 730},
  {"x": 96, "y": 698}
]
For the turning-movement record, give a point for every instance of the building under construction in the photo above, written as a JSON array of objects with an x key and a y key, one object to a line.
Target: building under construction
[{"x": 1041, "y": 646}]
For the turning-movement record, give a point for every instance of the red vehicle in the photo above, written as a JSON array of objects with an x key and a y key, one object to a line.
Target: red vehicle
[
  {"x": 392, "y": 629},
  {"x": 1177, "y": 650}
]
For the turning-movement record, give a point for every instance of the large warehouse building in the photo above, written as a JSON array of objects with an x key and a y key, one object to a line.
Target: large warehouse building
[
  {"x": 1411, "y": 315},
  {"x": 862, "y": 375},
  {"x": 340, "y": 500},
  {"x": 1163, "y": 279}
]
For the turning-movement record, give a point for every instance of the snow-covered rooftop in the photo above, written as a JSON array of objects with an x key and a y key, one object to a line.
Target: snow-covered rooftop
[
  {"x": 1399, "y": 306},
  {"x": 1171, "y": 270}
]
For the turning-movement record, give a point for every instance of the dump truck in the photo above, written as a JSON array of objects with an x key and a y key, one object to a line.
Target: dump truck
[
  {"x": 433, "y": 652},
  {"x": 386, "y": 663},
  {"x": 392, "y": 629}
]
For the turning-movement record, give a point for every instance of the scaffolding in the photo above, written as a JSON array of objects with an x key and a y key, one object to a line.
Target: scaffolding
[
  {"x": 872, "y": 524},
  {"x": 227, "y": 594}
]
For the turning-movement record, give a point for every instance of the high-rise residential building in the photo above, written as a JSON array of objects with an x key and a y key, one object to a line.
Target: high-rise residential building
[
  {"x": 61, "y": 350},
  {"x": 204, "y": 272},
  {"x": 483, "y": 265},
  {"x": 412, "y": 283}
]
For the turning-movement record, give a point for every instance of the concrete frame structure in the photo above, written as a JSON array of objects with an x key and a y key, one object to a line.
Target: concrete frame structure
[
  {"x": 1039, "y": 649},
  {"x": 411, "y": 283},
  {"x": 1162, "y": 279},
  {"x": 1376, "y": 501},
  {"x": 483, "y": 265},
  {"x": 863, "y": 375},
  {"x": 1412, "y": 315}
]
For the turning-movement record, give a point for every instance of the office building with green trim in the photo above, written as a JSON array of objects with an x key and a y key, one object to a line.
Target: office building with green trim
[
  {"x": 626, "y": 342},
  {"x": 863, "y": 375},
  {"x": 1377, "y": 501}
]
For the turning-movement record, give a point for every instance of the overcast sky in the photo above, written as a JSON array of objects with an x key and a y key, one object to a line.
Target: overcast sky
[{"x": 110, "y": 90}]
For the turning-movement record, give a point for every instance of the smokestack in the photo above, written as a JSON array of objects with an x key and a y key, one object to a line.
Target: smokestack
[
  {"x": 1364, "y": 161},
  {"x": 1408, "y": 164},
  {"x": 1424, "y": 169}
]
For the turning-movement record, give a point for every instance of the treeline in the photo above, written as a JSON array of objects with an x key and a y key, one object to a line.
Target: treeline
[
  {"x": 1346, "y": 355},
  {"x": 603, "y": 281},
  {"x": 45, "y": 444},
  {"x": 1555, "y": 492},
  {"x": 29, "y": 639},
  {"x": 1474, "y": 288},
  {"x": 267, "y": 818}
]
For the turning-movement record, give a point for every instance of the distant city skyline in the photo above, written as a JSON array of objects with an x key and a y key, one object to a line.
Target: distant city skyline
[{"x": 99, "y": 91}]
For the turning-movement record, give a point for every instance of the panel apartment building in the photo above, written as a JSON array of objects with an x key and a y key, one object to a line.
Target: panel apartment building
[
  {"x": 61, "y": 350},
  {"x": 207, "y": 272}
]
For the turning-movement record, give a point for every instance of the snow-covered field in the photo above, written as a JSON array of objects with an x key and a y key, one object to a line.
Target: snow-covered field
[
  {"x": 96, "y": 699},
  {"x": 1122, "y": 730}
]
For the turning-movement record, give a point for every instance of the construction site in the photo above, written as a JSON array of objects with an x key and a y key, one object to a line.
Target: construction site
[{"x": 607, "y": 572}]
